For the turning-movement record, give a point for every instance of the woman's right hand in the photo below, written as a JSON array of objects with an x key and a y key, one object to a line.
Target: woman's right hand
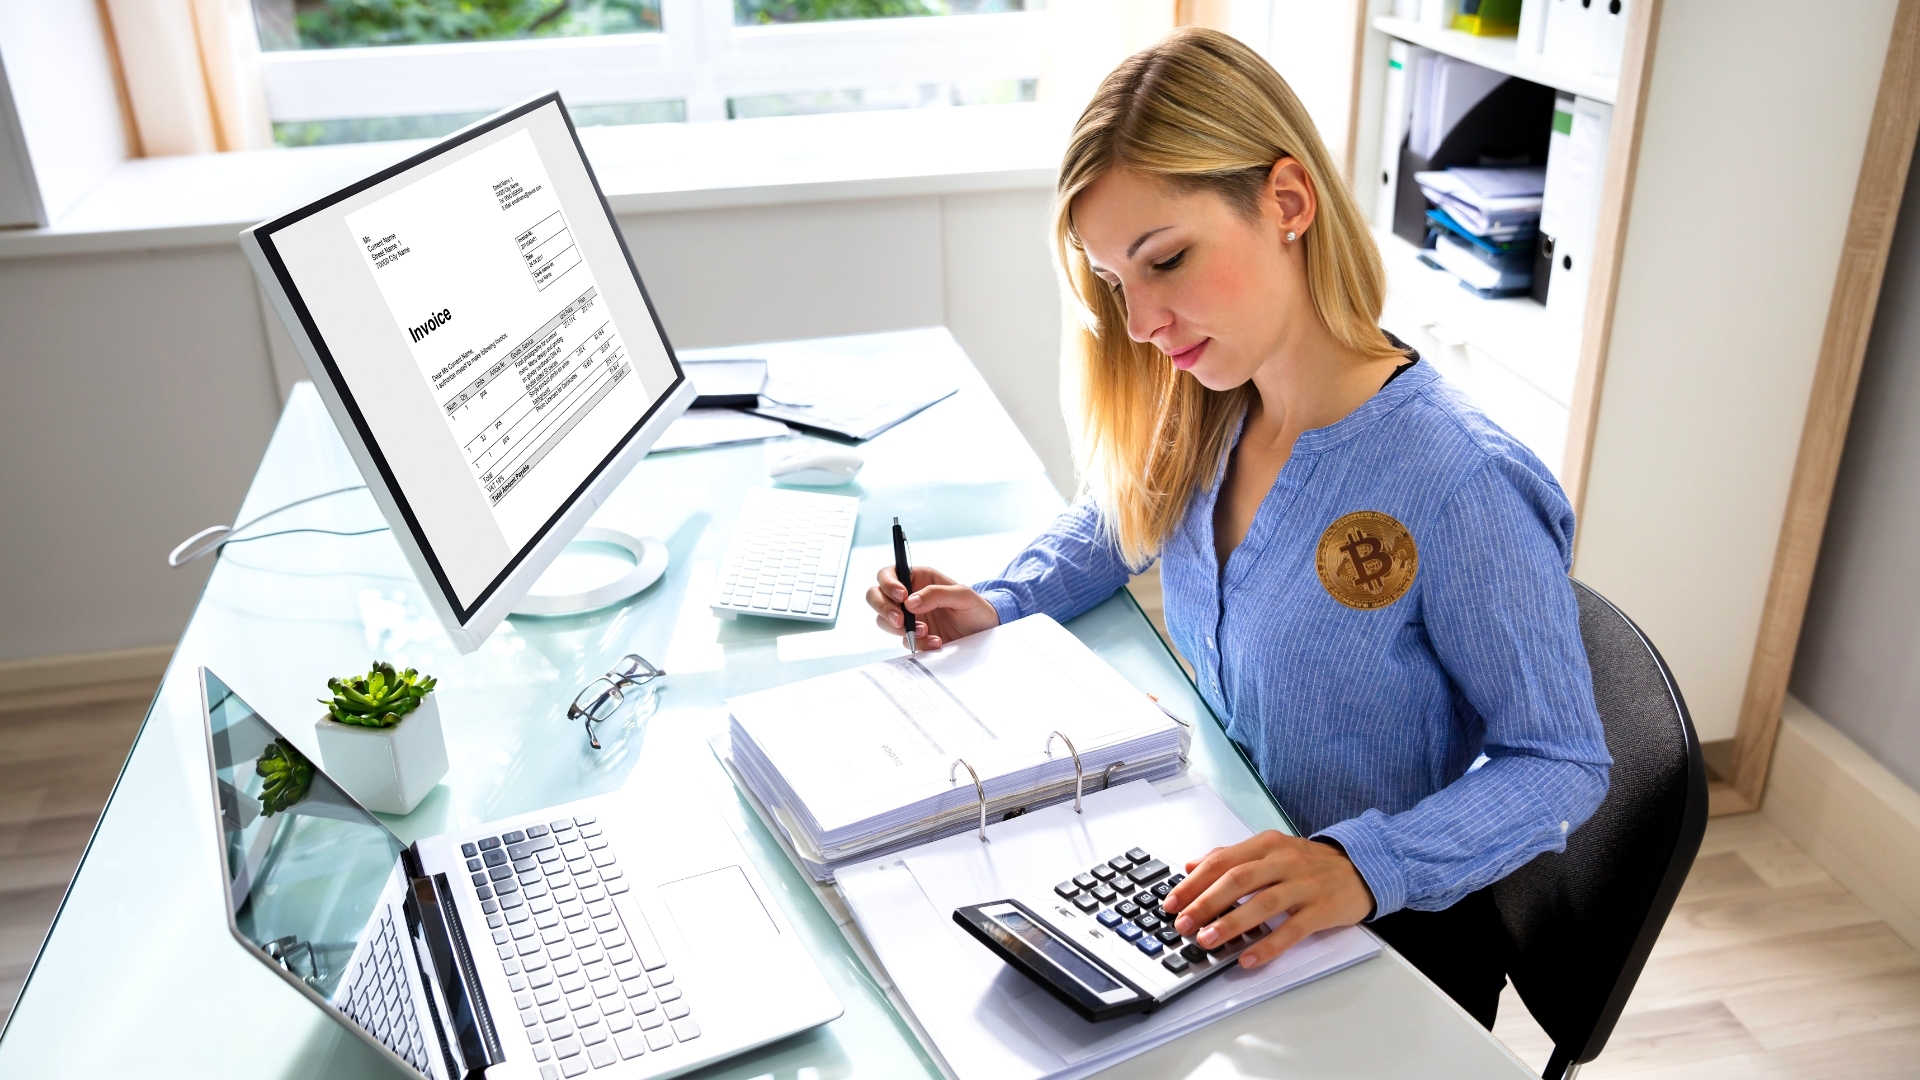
[{"x": 944, "y": 609}]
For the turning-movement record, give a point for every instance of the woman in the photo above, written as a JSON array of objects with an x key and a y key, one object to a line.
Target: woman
[{"x": 1368, "y": 575}]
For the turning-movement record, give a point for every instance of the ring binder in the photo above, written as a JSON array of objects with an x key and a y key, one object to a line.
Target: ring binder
[
  {"x": 1079, "y": 778},
  {"x": 1106, "y": 778},
  {"x": 952, "y": 771}
]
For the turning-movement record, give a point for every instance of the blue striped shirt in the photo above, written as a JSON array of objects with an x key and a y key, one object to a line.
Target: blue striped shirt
[{"x": 1365, "y": 724}]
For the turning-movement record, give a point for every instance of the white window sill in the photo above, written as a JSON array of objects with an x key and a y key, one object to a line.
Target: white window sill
[{"x": 206, "y": 199}]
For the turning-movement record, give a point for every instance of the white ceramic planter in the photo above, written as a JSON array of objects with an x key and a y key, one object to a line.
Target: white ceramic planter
[{"x": 386, "y": 769}]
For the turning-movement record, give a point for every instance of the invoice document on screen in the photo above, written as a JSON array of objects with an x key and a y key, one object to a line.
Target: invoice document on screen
[{"x": 506, "y": 325}]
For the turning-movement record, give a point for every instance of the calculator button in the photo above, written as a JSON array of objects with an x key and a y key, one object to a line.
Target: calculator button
[
  {"x": 469, "y": 851},
  {"x": 1150, "y": 946},
  {"x": 1104, "y": 872},
  {"x": 516, "y": 836},
  {"x": 1147, "y": 923},
  {"x": 1104, "y": 894},
  {"x": 1138, "y": 855},
  {"x": 1109, "y": 919},
  {"x": 1067, "y": 890},
  {"x": 1084, "y": 881},
  {"x": 1147, "y": 871},
  {"x": 1176, "y": 963},
  {"x": 489, "y": 843},
  {"x": 1176, "y": 879},
  {"x": 1161, "y": 890},
  {"x": 1128, "y": 931},
  {"x": 1127, "y": 909},
  {"x": 1120, "y": 862},
  {"x": 534, "y": 831},
  {"x": 1146, "y": 900},
  {"x": 1194, "y": 954},
  {"x": 1168, "y": 934},
  {"x": 1086, "y": 902}
]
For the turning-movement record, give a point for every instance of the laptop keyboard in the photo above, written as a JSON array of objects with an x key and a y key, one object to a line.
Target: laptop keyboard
[
  {"x": 590, "y": 982},
  {"x": 381, "y": 997}
]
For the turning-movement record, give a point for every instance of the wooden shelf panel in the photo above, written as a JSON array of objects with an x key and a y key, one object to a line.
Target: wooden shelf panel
[{"x": 1502, "y": 54}]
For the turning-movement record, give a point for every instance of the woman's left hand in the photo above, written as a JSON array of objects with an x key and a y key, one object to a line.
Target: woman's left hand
[{"x": 1313, "y": 883}]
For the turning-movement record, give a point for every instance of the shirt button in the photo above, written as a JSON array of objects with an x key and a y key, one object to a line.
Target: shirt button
[{"x": 1209, "y": 641}]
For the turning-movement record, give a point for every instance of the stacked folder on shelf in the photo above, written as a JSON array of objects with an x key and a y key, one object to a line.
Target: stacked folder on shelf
[
  {"x": 1484, "y": 225},
  {"x": 858, "y": 764}
]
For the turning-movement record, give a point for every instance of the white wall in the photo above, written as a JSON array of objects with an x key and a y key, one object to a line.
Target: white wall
[
  {"x": 1756, "y": 121},
  {"x": 1856, "y": 665},
  {"x": 63, "y": 85},
  {"x": 137, "y": 393}
]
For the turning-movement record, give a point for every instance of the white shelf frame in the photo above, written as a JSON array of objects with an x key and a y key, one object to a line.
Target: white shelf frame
[{"x": 1501, "y": 54}]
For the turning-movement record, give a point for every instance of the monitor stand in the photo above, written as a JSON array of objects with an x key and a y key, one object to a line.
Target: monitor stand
[{"x": 588, "y": 575}]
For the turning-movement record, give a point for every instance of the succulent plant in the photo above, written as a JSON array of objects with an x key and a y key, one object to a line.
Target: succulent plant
[
  {"x": 379, "y": 699},
  {"x": 288, "y": 775}
]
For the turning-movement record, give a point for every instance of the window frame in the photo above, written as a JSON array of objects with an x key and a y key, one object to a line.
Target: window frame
[{"x": 699, "y": 57}]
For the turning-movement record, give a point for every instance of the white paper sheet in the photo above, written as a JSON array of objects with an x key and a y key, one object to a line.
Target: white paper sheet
[
  {"x": 992, "y": 1023},
  {"x": 717, "y": 427}
]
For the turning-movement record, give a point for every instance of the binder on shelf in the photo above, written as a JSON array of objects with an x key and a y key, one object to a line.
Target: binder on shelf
[
  {"x": 1570, "y": 207},
  {"x": 1405, "y": 64},
  {"x": 1439, "y": 13},
  {"x": 1488, "y": 18},
  {"x": 1530, "y": 38},
  {"x": 1609, "y": 36},
  {"x": 1568, "y": 41},
  {"x": 857, "y": 764}
]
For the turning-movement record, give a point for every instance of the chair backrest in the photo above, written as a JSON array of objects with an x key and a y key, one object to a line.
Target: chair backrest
[{"x": 1582, "y": 921}]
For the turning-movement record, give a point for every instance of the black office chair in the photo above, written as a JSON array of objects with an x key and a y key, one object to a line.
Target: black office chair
[{"x": 1582, "y": 921}]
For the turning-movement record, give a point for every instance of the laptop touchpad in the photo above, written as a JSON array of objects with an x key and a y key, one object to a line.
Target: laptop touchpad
[{"x": 719, "y": 910}]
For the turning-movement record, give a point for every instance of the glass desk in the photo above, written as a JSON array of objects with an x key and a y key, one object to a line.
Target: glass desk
[{"x": 140, "y": 972}]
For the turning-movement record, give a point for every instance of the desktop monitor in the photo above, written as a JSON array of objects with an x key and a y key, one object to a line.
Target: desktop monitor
[{"x": 478, "y": 330}]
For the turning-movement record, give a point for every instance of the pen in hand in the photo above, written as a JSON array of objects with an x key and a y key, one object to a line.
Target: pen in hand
[{"x": 904, "y": 571}]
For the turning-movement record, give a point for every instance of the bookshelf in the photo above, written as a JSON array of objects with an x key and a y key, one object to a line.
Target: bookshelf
[
  {"x": 1707, "y": 388},
  {"x": 1502, "y": 54}
]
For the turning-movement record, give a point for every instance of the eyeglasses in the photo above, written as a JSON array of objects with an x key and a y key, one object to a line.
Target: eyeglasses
[{"x": 604, "y": 695}]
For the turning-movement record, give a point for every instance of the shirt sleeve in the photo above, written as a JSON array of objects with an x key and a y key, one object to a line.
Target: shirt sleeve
[
  {"x": 1066, "y": 571},
  {"x": 1500, "y": 613}
]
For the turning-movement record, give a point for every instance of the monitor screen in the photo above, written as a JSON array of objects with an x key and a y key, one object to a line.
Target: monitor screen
[{"x": 480, "y": 324}]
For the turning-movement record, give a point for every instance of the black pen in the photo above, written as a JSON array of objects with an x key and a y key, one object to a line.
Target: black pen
[{"x": 904, "y": 572}]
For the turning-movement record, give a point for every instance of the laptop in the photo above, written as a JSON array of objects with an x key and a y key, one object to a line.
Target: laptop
[{"x": 598, "y": 938}]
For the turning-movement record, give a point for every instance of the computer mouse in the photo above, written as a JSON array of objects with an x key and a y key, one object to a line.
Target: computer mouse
[{"x": 817, "y": 468}]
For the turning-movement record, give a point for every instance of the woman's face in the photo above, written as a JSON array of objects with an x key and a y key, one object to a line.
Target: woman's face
[{"x": 1214, "y": 290}]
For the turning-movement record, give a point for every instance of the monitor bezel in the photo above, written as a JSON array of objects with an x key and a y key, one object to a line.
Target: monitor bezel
[{"x": 468, "y": 624}]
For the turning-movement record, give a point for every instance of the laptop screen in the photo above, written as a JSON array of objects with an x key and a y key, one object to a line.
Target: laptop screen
[{"x": 305, "y": 864}]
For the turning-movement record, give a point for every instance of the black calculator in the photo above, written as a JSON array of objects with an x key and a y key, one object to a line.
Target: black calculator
[{"x": 1100, "y": 941}]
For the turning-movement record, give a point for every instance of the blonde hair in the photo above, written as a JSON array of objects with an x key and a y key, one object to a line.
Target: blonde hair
[{"x": 1198, "y": 111}]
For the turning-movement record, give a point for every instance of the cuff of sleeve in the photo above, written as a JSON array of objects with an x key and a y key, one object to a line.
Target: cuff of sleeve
[
  {"x": 1367, "y": 850},
  {"x": 1003, "y": 602}
]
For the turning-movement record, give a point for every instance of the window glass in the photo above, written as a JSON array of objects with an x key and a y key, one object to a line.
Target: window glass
[
  {"x": 332, "y": 24},
  {"x": 922, "y": 96},
  {"x": 758, "y": 12},
  {"x": 386, "y": 128}
]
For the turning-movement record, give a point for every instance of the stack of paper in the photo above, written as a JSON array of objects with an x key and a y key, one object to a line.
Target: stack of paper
[
  {"x": 865, "y": 762},
  {"x": 989, "y": 1022},
  {"x": 1495, "y": 204}
]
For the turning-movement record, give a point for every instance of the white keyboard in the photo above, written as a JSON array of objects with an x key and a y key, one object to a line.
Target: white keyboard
[{"x": 788, "y": 559}]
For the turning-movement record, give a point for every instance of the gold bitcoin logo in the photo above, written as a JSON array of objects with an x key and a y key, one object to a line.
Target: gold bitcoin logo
[{"x": 1367, "y": 560}]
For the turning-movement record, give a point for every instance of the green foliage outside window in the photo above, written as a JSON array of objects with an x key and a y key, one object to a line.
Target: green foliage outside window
[
  {"x": 751, "y": 12},
  {"x": 328, "y": 24}
]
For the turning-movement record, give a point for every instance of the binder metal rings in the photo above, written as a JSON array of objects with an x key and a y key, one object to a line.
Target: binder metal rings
[
  {"x": 1106, "y": 778},
  {"x": 953, "y": 770},
  {"x": 1079, "y": 778}
]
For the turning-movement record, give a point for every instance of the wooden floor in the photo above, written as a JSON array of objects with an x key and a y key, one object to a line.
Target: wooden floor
[
  {"x": 57, "y": 767},
  {"x": 1767, "y": 969}
]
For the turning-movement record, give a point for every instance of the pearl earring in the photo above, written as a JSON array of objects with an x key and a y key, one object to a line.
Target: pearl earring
[{"x": 1290, "y": 237}]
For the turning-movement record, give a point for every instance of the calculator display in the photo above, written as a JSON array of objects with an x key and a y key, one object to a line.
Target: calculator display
[{"x": 1044, "y": 943}]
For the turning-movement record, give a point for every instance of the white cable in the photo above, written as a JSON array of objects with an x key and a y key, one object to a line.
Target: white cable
[{"x": 197, "y": 545}]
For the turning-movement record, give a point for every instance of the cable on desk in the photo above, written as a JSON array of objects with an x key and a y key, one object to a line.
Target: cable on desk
[{"x": 211, "y": 539}]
